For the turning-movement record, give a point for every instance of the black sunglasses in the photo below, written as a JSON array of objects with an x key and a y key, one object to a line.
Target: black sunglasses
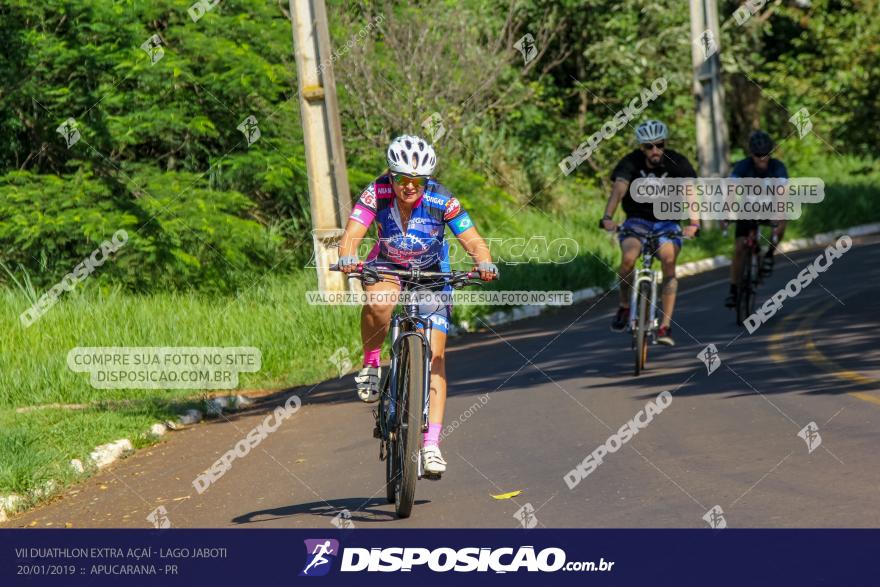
[{"x": 650, "y": 146}]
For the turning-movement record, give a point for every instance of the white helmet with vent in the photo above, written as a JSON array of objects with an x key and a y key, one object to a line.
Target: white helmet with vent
[
  {"x": 411, "y": 155},
  {"x": 651, "y": 131}
]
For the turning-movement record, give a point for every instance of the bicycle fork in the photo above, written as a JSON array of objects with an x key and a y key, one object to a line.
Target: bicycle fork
[
  {"x": 653, "y": 277},
  {"x": 426, "y": 386},
  {"x": 396, "y": 338}
]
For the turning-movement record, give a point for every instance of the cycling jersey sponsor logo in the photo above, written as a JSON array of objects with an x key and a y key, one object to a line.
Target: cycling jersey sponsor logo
[
  {"x": 368, "y": 198},
  {"x": 453, "y": 209},
  {"x": 434, "y": 200},
  {"x": 406, "y": 247},
  {"x": 421, "y": 220},
  {"x": 320, "y": 554}
]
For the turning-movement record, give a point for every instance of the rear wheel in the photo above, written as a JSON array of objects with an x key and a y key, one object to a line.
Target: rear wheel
[
  {"x": 410, "y": 408},
  {"x": 642, "y": 327}
]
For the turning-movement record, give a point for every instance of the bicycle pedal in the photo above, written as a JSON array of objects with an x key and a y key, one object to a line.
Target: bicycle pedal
[
  {"x": 382, "y": 453},
  {"x": 432, "y": 476}
]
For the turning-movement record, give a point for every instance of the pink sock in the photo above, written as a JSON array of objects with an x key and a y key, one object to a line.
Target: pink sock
[
  {"x": 432, "y": 436},
  {"x": 371, "y": 357}
]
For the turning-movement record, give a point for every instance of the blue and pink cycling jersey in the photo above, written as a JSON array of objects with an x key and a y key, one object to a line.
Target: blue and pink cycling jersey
[{"x": 421, "y": 242}]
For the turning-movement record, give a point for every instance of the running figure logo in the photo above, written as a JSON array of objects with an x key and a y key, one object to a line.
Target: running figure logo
[
  {"x": 710, "y": 358},
  {"x": 526, "y": 46},
  {"x": 319, "y": 556}
]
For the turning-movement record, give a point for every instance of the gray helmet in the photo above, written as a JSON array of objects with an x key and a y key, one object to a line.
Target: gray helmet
[{"x": 650, "y": 131}]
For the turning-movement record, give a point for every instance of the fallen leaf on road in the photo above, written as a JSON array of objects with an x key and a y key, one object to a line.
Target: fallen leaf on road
[{"x": 508, "y": 495}]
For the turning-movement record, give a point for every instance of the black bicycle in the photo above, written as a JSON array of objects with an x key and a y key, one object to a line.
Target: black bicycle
[
  {"x": 402, "y": 414},
  {"x": 751, "y": 275},
  {"x": 643, "y": 297}
]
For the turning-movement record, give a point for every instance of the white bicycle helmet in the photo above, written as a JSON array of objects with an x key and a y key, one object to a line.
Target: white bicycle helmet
[
  {"x": 650, "y": 131},
  {"x": 411, "y": 155}
]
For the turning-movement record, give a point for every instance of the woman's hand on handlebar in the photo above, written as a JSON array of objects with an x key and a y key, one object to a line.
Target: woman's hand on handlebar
[
  {"x": 348, "y": 263},
  {"x": 488, "y": 270}
]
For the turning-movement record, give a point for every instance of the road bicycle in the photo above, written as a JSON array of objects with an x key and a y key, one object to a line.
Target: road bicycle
[
  {"x": 402, "y": 414},
  {"x": 751, "y": 275},
  {"x": 643, "y": 321}
]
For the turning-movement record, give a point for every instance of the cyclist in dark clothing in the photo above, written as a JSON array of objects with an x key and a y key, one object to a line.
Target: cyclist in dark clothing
[{"x": 757, "y": 164}]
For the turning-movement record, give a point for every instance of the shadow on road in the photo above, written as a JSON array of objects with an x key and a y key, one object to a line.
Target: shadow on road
[{"x": 361, "y": 510}]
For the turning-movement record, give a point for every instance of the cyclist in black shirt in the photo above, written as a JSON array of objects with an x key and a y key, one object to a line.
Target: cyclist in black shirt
[
  {"x": 759, "y": 163},
  {"x": 651, "y": 159}
]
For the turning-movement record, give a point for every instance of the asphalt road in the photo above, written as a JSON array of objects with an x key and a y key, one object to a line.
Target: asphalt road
[{"x": 553, "y": 389}]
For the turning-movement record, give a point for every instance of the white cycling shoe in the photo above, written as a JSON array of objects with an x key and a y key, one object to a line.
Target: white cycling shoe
[
  {"x": 432, "y": 460},
  {"x": 367, "y": 381}
]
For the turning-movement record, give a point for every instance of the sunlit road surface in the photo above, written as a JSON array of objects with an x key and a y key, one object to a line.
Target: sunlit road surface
[{"x": 530, "y": 401}]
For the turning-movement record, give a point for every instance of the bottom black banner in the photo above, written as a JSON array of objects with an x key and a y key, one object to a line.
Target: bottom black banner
[{"x": 602, "y": 557}]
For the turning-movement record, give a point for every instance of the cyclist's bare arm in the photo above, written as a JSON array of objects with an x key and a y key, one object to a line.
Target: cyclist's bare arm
[
  {"x": 618, "y": 190},
  {"x": 351, "y": 238},
  {"x": 476, "y": 247}
]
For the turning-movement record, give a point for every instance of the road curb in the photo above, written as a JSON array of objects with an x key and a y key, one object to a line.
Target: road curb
[
  {"x": 104, "y": 455},
  {"x": 684, "y": 270}
]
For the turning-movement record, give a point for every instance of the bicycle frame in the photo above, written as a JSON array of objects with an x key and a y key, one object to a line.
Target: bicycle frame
[
  {"x": 399, "y": 426},
  {"x": 652, "y": 276},
  {"x": 404, "y": 325}
]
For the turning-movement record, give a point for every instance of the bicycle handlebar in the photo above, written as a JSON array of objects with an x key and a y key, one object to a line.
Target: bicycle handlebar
[{"x": 415, "y": 275}]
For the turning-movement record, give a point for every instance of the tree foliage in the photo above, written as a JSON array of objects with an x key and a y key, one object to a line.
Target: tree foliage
[{"x": 160, "y": 153}]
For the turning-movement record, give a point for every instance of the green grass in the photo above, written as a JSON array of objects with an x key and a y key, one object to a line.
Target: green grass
[{"x": 296, "y": 340}]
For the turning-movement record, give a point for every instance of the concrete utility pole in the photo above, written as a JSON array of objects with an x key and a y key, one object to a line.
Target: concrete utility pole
[
  {"x": 713, "y": 149},
  {"x": 325, "y": 158}
]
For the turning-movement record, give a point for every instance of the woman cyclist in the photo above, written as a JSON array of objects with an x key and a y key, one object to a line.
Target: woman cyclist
[{"x": 411, "y": 210}]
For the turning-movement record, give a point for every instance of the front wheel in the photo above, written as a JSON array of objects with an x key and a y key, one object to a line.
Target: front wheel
[
  {"x": 642, "y": 327},
  {"x": 410, "y": 407},
  {"x": 745, "y": 303}
]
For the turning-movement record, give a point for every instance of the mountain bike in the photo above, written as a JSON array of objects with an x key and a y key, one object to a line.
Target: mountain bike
[
  {"x": 750, "y": 276},
  {"x": 402, "y": 414},
  {"x": 643, "y": 321}
]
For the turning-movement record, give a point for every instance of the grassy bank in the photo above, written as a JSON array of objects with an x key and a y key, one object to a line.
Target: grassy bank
[{"x": 296, "y": 340}]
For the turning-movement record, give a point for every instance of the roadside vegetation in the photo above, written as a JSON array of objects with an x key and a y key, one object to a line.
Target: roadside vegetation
[{"x": 219, "y": 245}]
